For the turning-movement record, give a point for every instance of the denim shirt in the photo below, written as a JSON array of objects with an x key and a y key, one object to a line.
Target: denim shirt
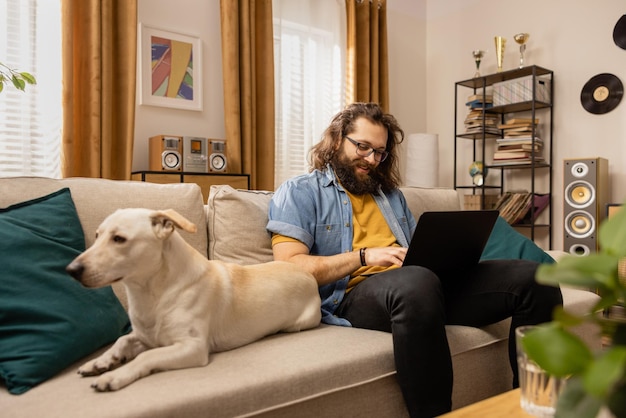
[{"x": 314, "y": 209}]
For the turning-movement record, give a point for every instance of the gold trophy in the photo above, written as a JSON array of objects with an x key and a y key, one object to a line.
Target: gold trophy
[
  {"x": 500, "y": 43},
  {"x": 521, "y": 39},
  {"x": 478, "y": 56}
]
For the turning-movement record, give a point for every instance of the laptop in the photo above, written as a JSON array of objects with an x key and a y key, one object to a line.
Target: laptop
[{"x": 450, "y": 240}]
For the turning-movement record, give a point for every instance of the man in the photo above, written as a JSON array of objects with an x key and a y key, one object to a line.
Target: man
[{"x": 349, "y": 225}]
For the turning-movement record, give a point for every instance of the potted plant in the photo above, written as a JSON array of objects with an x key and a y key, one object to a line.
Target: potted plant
[
  {"x": 18, "y": 78},
  {"x": 596, "y": 381}
]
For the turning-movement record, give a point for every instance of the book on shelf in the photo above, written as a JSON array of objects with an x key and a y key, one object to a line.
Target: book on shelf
[
  {"x": 540, "y": 202},
  {"x": 517, "y": 161},
  {"x": 516, "y": 121},
  {"x": 519, "y": 147},
  {"x": 513, "y": 155},
  {"x": 515, "y": 207},
  {"x": 479, "y": 104},
  {"x": 517, "y": 140},
  {"x": 488, "y": 98},
  {"x": 516, "y": 126}
]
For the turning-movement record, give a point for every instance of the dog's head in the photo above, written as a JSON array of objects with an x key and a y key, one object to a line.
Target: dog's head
[{"x": 129, "y": 245}]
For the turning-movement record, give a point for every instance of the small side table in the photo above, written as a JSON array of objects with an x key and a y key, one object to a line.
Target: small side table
[
  {"x": 204, "y": 180},
  {"x": 506, "y": 404}
]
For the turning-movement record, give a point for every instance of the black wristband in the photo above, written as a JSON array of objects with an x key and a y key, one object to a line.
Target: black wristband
[{"x": 362, "y": 254}]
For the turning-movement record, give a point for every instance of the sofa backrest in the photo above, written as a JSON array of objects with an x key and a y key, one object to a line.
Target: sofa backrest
[
  {"x": 95, "y": 199},
  {"x": 236, "y": 219}
]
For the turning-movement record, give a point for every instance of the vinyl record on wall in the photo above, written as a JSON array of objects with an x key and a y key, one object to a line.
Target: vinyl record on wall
[
  {"x": 602, "y": 93},
  {"x": 619, "y": 32}
]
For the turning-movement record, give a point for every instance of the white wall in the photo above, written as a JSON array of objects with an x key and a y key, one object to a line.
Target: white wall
[{"x": 199, "y": 18}]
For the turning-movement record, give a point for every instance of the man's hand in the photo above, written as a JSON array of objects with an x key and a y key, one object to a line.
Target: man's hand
[{"x": 385, "y": 256}]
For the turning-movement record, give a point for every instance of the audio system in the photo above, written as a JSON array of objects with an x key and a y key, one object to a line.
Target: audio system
[
  {"x": 195, "y": 154},
  {"x": 166, "y": 153},
  {"x": 187, "y": 153},
  {"x": 585, "y": 194},
  {"x": 217, "y": 157}
]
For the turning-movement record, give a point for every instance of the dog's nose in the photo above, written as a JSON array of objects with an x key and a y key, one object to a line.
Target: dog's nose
[{"x": 75, "y": 269}]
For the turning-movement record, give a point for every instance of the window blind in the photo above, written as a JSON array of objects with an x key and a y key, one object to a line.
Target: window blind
[
  {"x": 309, "y": 54},
  {"x": 30, "y": 121}
]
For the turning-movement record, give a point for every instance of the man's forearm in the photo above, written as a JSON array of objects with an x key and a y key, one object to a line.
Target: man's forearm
[{"x": 327, "y": 269}]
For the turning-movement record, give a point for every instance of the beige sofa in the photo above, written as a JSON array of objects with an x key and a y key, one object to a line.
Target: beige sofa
[{"x": 327, "y": 371}]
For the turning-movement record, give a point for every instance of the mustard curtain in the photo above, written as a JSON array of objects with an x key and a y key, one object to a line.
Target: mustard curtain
[
  {"x": 99, "y": 78},
  {"x": 367, "y": 54},
  {"x": 248, "y": 68}
]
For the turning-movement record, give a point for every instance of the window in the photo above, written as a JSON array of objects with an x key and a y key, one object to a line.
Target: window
[
  {"x": 30, "y": 121},
  {"x": 309, "y": 54}
]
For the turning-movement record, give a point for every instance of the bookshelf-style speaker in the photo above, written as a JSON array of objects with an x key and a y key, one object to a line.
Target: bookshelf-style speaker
[
  {"x": 165, "y": 153},
  {"x": 586, "y": 188}
]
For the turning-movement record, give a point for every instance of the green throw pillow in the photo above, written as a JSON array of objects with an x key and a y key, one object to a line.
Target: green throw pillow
[
  {"x": 506, "y": 243},
  {"x": 47, "y": 319}
]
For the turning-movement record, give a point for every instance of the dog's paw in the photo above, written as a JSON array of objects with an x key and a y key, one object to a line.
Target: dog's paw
[
  {"x": 98, "y": 366},
  {"x": 111, "y": 381}
]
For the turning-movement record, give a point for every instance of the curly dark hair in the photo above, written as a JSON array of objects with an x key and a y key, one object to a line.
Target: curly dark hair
[{"x": 342, "y": 124}]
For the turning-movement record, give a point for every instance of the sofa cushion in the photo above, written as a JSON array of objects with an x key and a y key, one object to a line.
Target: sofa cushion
[
  {"x": 506, "y": 243},
  {"x": 48, "y": 320},
  {"x": 236, "y": 220}
]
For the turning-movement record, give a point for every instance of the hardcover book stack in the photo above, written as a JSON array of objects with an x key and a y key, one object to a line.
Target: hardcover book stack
[
  {"x": 517, "y": 144},
  {"x": 477, "y": 118}
]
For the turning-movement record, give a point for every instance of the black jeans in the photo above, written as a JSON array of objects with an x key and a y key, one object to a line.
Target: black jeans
[{"x": 415, "y": 305}]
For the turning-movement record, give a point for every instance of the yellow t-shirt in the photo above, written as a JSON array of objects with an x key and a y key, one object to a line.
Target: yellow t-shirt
[{"x": 370, "y": 230}]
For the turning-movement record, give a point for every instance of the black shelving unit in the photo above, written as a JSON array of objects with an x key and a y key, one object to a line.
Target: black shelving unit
[{"x": 534, "y": 108}]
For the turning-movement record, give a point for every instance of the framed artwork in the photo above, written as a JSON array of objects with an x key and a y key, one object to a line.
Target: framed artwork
[{"x": 170, "y": 68}]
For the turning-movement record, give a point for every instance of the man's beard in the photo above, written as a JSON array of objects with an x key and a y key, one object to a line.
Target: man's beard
[{"x": 345, "y": 170}]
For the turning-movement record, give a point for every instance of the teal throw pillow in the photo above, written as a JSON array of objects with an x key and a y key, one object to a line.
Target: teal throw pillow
[
  {"x": 506, "y": 243},
  {"x": 47, "y": 319}
]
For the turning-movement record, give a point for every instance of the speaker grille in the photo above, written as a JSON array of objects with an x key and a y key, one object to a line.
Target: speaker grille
[{"x": 586, "y": 194}]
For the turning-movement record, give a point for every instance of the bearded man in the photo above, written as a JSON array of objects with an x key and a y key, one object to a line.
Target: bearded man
[{"x": 348, "y": 224}]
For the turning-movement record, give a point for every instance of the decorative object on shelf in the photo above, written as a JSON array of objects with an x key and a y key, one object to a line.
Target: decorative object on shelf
[
  {"x": 619, "y": 32},
  {"x": 478, "y": 56},
  {"x": 500, "y": 44},
  {"x": 597, "y": 381},
  {"x": 602, "y": 93},
  {"x": 170, "y": 68},
  {"x": 521, "y": 39},
  {"x": 478, "y": 172}
]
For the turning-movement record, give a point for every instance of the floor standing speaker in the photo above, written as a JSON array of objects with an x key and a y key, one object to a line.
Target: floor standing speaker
[{"x": 586, "y": 188}]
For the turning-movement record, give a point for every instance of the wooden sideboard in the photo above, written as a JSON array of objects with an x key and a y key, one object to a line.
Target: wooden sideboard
[{"x": 204, "y": 180}]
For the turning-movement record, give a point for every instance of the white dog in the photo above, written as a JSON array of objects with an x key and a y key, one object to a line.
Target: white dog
[{"x": 181, "y": 305}]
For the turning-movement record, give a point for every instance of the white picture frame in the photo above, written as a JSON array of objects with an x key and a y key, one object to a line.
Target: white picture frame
[{"x": 170, "y": 68}]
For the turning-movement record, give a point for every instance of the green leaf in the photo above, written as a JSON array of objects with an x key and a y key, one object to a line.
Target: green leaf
[
  {"x": 575, "y": 402},
  {"x": 29, "y": 78},
  {"x": 605, "y": 372},
  {"x": 567, "y": 319},
  {"x": 612, "y": 234},
  {"x": 617, "y": 400},
  {"x": 593, "y": 271},
  {"x": 18, "y": 83},
  {"x": 1, "y": 85},
  {"x": 556, "y": 350}
]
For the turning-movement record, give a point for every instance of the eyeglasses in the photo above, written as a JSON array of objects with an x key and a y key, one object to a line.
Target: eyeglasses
[{"x": 364, "y": 150}]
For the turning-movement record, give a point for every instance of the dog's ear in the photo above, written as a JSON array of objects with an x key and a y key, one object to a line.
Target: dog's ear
[{"x": 165, "y": 220}]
